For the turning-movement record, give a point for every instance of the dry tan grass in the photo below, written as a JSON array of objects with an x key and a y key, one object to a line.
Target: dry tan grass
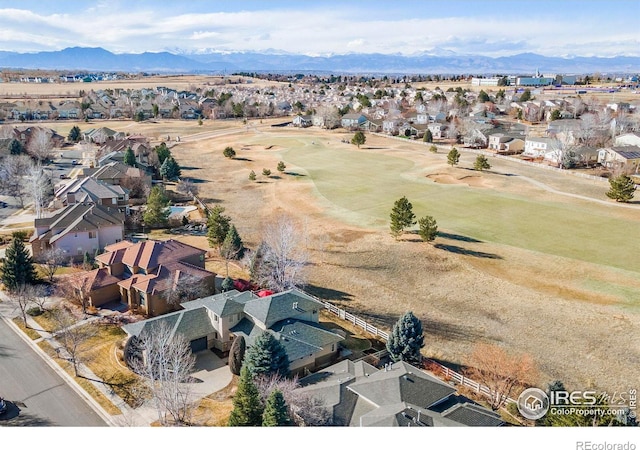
[{"x": 574, "y": 318}]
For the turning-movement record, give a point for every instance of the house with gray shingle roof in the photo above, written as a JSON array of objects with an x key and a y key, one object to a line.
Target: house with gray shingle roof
[
  {"x": 358, "y": 394},
  {"x": 292, "y": 317}
]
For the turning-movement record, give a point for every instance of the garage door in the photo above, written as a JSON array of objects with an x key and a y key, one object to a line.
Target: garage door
[{"x": 197, "y": 345}]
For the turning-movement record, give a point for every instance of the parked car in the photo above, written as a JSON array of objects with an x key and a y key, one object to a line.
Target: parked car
[
  {"x": 64, "y": 176},
  {"x": 3, "y": 406},
  {"x": 3, "y": 204},
  {"x": 74, "y": 162}
]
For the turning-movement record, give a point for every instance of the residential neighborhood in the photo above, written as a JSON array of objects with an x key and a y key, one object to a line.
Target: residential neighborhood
[{"x": 243, "y": 247}]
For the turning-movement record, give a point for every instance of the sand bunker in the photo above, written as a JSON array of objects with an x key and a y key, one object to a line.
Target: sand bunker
[{"x": 469, "y": 180}]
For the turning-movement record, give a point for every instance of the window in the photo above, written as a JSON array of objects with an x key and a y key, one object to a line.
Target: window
[
  {"x": 142, "y": 298},
  {"x": 92, "y": 234},
  {"x": 215, "y": 317}
]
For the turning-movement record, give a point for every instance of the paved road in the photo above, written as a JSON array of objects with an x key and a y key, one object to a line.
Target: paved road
[{"x": 43, "y": 398}]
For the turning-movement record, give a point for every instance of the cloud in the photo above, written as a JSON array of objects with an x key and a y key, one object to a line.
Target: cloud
[{"x": 133, "y": 27}]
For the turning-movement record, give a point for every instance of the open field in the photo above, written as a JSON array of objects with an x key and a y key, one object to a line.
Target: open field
[{"x": 517, "y": 262}]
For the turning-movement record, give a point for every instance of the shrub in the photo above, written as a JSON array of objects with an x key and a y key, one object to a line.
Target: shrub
[{"x": 35, "y": 311}]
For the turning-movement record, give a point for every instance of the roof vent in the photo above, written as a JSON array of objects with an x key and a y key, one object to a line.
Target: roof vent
[{"x": 295, "y": 305}]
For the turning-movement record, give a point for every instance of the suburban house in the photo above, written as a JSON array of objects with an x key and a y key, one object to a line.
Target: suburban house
[
  {"x": 291, "y": 316},
  {"x": 537, "y": 147},
  {"x": 102, "y": 135},
  {"x": 352, "y": 121},
  {"x": 399, "y": 395},
  {"x": 144, "y": 273},
  {"x": 628, "y": 139},
  {"x": 77, "y": 229},
  {"x": 505, "y": 144},
  {"x": 90, "y": 190},
  {"x": 301, "y": 121},
  {"x": 114, "y": 173},
  {"x": 626, "y": 158}
]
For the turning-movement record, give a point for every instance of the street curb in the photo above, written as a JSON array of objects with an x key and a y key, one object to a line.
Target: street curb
[{"x": 64, "y": 375}]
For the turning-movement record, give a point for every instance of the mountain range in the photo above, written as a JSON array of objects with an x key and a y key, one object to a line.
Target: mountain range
[{"x": 99, "y": 59}]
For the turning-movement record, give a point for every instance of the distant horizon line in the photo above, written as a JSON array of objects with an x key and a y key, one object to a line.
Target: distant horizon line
[{"x": 429, "y": 52}]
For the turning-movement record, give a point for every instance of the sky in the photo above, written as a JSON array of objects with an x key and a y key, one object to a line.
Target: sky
[{"x": 494, "y": 28}]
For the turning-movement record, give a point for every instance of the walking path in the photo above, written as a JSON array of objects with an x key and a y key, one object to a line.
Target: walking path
[{"x": 142, "y": 416}]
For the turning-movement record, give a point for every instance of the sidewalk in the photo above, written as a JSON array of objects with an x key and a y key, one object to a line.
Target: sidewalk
[{"x": 140, "y": 417}]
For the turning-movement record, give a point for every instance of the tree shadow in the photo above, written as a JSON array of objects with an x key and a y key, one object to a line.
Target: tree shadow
[
  {"x": 190, "y": 168},
  {"x": 327, "y": 293},
  {"x": 295, "y": 174},
  {"x": 242, "y": 159},
  {"x": 457, "y": 237},
  {"x": 467, "y": 252},
  {"x": 14, "y": 418}
]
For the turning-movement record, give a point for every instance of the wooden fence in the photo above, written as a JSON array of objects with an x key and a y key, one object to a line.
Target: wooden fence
[
  {"x": 447, "y": 373},
  {"x": 357, "y": 321}
]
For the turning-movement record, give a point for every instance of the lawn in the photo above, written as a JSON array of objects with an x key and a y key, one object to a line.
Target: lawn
[{"x": 362, "y": 186}]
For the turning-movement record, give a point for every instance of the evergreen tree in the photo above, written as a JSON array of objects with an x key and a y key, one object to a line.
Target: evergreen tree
[
  {"x": 622, "y": 188},
  {"x": 276, "y": 412},
  {"x": 483, "y": 97},
  {"x": 247, "y": 407},
  {"x": 232, "y": 246},
  {"x": 74, "y": 134},
  {"x": 218, "y": 226},
  {"x": 433, "y": 149},
  {"x": 526, "y": 96},
  {"x": 402, "y": 216},
  {"x": 227, "y": 284},
  {"x": 252, "y": 176},
  {"x": 129, "y": 157},
  {"x": 267, "y": 356},
  {"x": 555, "y": 115},
  {"x": 359, "y": 138},
  {"x": 18, "y": 268},
  {"x": 266, "y": 172},
  {"x": 229, "y": 152},
  {"x": 163, "y": 152},
  {"x": 453, "y": 157},
  {"x": 428, "y": 228},
  {"x": 281, "y": 167},
  {"x": 428, "y": 136},
  {"x": 236, "y": 354},
  {"x": 481, "y": 163},
  {"x": 156, "y": 213},
  {"x": 170, "y": 170},
  {"x": 15, "y": 147},
  {"x": 406, "y": 339}
]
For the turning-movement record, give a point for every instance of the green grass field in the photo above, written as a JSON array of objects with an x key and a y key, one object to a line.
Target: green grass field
[{"x": 363, "y": 186}]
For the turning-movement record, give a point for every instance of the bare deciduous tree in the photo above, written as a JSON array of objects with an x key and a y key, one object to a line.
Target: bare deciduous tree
[
  {"x": 12, "y": 171},
  {"x": 21, "y": 298},
  {"x": 72, "y": 336},
  {"x": 185, "y": 287},
  {"x": 305, "y": 409},
  {"x": 40, "y": 145},
  {"x": 38, "y": 185},
  {"x": 187, "y": 187},
  {"x": 283, "y": 257},
  {"x": 76, "y": 289},
  {"x": 137, "y": 187},
  {"x": 501, "y": 372},
  {"x": 51, "y": 260},
  {"x": 166, "y": 363}
]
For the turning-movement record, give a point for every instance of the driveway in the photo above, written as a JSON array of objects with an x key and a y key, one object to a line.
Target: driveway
[{"x": 211, "y": 374}]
